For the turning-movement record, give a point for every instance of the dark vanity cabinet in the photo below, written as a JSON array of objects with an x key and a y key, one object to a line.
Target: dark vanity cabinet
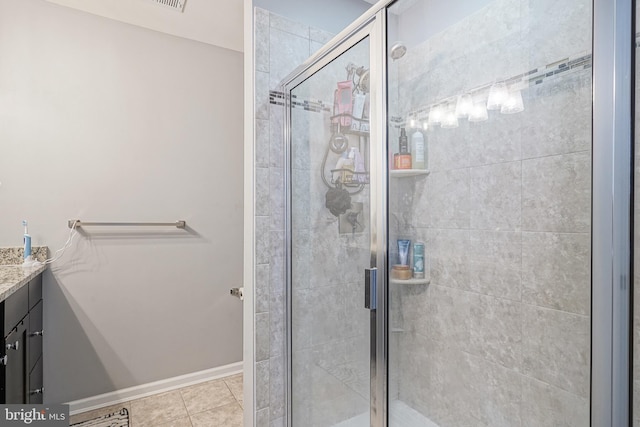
[
  {"x": 14, "y": 364},
  {"x": 34, "y": 353},
  {"x": 21, "y": 352}
]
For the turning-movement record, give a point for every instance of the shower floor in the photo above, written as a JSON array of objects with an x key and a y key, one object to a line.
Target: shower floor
[{"x": 400, "y": 414}]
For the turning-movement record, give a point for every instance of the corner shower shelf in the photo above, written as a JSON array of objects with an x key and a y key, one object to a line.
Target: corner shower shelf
[
  {"x": 409, "y": 281},
  {"x": 404, "y": 173}
]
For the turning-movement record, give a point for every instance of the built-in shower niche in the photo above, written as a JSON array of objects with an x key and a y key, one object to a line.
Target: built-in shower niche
[{"x": 402, "y": 226}]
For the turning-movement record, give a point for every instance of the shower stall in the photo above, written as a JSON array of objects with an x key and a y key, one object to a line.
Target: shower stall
[{"x": 458, "y": 182}]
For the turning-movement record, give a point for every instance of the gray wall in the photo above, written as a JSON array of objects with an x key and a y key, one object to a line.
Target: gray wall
[{"x": 105, "y": 121}]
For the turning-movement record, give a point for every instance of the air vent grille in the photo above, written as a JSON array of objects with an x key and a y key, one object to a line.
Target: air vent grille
[{"x": 173, "y": 4}]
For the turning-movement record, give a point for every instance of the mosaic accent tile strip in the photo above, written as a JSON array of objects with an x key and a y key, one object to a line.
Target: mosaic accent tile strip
[
  {"x": 529, "y": 78},
  {"x": 317, "y": 106},
  {"x": 525, "y": 80},
  {"x": 276, "y": 97}
]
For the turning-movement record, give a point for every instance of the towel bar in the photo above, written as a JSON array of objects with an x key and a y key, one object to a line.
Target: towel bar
[{"x": 78, "y": 223}]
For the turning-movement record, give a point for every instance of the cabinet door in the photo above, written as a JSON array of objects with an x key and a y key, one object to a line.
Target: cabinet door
[
  {"x": 36, "y": 388},
  {"x": 35, "y": 291},
  {"x": 34, "y": 335},
  {"x": 15, "y": 368},
  {"x": 14, "y": 309}
]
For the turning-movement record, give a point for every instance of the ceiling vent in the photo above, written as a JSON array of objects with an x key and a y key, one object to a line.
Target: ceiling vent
[{"x": 172, "y": 4}]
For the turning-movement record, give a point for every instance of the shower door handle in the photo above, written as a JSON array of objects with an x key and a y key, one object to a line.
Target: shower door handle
[{"x": 370, "y": 287}]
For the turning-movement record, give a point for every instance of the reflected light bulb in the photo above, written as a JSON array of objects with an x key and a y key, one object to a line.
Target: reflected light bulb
[
  {"x": 464, "y": 105},
  {"x": 497, "y": 95},
  {"x": 450, "y": 121},
  {"x": 436, "y": 114},
  {"x": 513, "y": 104},
  {"x": 478, "y": 113}
]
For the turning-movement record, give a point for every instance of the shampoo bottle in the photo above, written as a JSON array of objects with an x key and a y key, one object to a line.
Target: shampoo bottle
[
  {"x": 403, "y": 159},
  {"x": 403, "y": 142},
  {"x": 418, "y": 260}
]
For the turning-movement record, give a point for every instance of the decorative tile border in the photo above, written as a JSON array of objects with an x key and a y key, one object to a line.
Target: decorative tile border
[
  {"x": 520, "y": 81},
  {"x": 537, "y": 76},
  {"x": 529, "y": 78},
  {"x": 317, "y": 106}
]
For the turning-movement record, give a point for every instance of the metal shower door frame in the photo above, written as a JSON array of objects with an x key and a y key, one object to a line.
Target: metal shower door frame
[
  {"x": 372, "y": 25},
  {"x": 612, "y": 203},
  {"x": 612, "y": 212}
]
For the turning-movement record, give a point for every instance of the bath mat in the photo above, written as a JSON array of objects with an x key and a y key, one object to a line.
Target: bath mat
[{"x": 116, "y": 419}]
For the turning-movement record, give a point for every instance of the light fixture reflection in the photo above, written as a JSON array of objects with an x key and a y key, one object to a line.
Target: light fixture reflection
[
  {"x": 478, "y": 113},
  {"x": 436, "y": 114},
  {"x": 464, "y": 105},
  {"x": 450, "y": 121},
  {"x": 412, "y": 122},
  {"x": 425, "y": 125},
  {"x": 498, "y": 94},
  {"x": 513, "y": 104}
]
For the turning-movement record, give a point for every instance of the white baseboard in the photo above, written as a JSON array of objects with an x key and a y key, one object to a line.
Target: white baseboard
[{"x": 144, "y": 390}]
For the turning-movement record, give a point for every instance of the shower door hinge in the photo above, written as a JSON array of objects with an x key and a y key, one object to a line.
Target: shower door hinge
[{"x": 370, "y": 287}]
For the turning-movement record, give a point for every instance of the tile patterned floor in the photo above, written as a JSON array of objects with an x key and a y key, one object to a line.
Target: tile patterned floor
[{"x": 216, "y": 403}]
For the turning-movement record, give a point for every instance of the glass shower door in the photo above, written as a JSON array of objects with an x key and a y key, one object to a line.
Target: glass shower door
[
  {"x": 493, "y": 204},
  {"x": 330, "y": 241}
]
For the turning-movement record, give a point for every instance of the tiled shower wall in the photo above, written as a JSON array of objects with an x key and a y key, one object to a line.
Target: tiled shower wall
[
  {"x": 280, "y": 46},
  {"x": 501, "y": 336}
]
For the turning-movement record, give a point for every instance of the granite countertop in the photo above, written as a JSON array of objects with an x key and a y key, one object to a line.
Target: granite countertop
[{"x": 12, "y": 274}]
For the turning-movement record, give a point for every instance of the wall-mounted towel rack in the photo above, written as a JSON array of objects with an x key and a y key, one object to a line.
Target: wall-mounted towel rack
[{"x": 78, "y": 224}]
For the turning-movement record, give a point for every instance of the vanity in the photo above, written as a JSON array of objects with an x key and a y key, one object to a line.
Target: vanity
[{"x": 21, "y": 317}]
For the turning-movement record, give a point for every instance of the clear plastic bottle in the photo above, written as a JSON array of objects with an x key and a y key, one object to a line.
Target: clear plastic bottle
[
  {"x": 349, "y": 166},
  {"x": 418, "y": 151}
]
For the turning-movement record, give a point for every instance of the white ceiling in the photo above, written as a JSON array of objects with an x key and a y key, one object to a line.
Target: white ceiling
[{"x": 214, "y": 22}]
